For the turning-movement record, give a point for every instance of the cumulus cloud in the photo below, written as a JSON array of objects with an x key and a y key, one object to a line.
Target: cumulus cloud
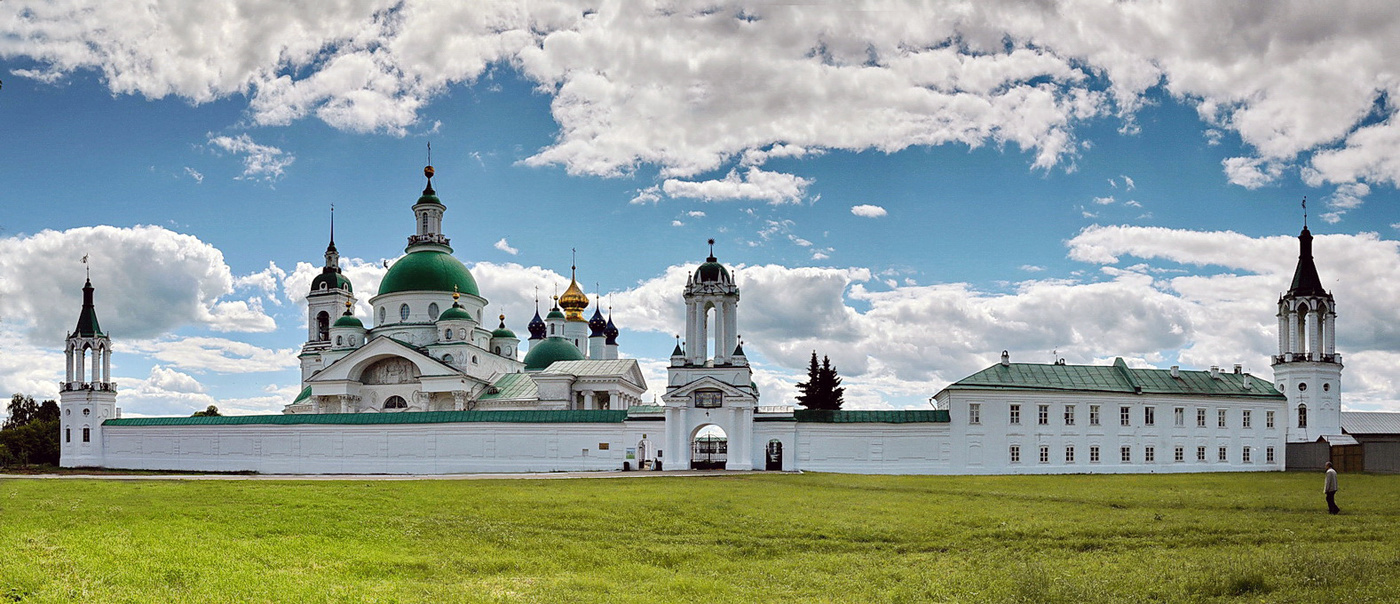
[
  {"x": 260, "y": 162},
  {"x": 868, "y": 211},
  {"x": 149, "y": 281},
  {"x": 505, "y": 247},
  {"x": 201, "y": 354},
  {"x": 755, "y": 183}
]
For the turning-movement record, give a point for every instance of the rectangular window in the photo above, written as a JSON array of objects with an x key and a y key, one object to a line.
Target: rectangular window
[
  {"x": 1269, "y": 420},
  {"x": 1200, "y": 453},
  {"x": 68, "y": 435},
  {"x": 1269, "y": 455},
  {"x": 1094, "y": 454},
  {"x": 1149, "y": 454},
  {"x": 1179, "y": 414},
  {"x": 1149, "y": 416},
  {"x": 1069, "y": 454},
  {"x": 974, "y": 413},
  {"x": 1123, "y": 416},
  {"x": 1244, "y": 418},
  {"x": 1126, "y": 453},
  {"x": 1200, "y": 418},
  {"x": 1220, "y": 418},
  {"x": 1044, "y": 415},
  {"x": 1015, "y": 415},
  {"x": 1015, "y": 453},
  {"x": 87, "y": 435},
  {"x": 1069, "y": 415},
  {"x": 1244, "y": 455},
  {"x": 1093, "y": 415},
  {"x": 1224, "y": 455},
  {"x": 1044, "y": 454},
  {"x": 1180, "y": 454}
]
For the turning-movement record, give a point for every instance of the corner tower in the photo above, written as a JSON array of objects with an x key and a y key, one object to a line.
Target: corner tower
[
  {"x": 88, "y": 396},
  {"x": 1307, "y": 367}
]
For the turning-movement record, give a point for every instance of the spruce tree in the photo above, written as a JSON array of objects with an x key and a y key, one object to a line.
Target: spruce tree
[
  {"x": 822, "y": 390},
  {"x": 833, "y": 395},
  {"x": 808, "y": 390}
]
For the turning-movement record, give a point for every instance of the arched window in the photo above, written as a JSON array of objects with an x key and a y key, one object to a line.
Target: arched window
[
  {"x": 339, "y": 341},
  {"x": 323, "y": 326},
  {"x": 68, "y": 435},
  {"x": 403, "y": 312},
  {"x": 381, "y": 315},
  {"x": 447, "y": 358},
  {"x": 87, "y": 434},
  {"x": 1302, "y": 416},
  {"x": 498, "y": 350},
  {"x": 449, "y": 334},
  {"x": 433, "y": 311},
  {"x": 395, "y": 402},
  {"x": 473, "y": 359}
]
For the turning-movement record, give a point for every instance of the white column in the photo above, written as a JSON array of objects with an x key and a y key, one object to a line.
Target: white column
[
  {"x": 1331, "y": 333},
  {"x": 69, "y": 373},
  {"x": 1283, "y": 333},
  {"x": 106, "y": 364},
  {"x": 1315, "y": 341},
  {"x": 588, "y": 402},
  {"x": 82, "y": 363},
  {"x": 1295, "y": 331}
]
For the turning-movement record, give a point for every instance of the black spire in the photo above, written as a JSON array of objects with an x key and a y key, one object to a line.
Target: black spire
[
  {"x": 87, "y": 321},
  {"x": 1305, "y": 279}
]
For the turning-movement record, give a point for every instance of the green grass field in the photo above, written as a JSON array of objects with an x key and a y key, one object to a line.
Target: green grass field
[{"x": 763, "y": 537}]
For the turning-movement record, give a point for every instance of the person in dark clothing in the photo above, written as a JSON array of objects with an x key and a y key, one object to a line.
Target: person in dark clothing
[{"x": 1330, "y": 488}]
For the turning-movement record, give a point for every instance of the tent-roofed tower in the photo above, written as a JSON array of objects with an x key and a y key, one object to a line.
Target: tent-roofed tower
[
  {"x": 1307, "y": 367},
  {"x": 87, "y": 396},
  {"x": 330, "y": 294}
]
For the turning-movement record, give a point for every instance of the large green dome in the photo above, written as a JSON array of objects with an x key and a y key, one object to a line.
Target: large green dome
[
  {"x": 428, "y": 270},
  {"x": 545, "y": 352}
]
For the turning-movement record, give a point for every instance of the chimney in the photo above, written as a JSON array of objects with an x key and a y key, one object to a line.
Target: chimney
[
  {"x": 1239, "y": 369},
  {"x": 1214, "y": 372},
  {"x": 1005, "y": 359},
  {"x": 1176, "y": 371}
]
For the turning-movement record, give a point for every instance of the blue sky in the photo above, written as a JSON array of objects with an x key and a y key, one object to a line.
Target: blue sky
[{"x": 906, "y": 191}]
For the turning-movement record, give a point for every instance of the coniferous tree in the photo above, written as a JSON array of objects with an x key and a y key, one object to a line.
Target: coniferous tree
[
  {"x": 822, "y": 390},
  {"x": 807, "y": 391},
  {"x": 833, "y": 394}
]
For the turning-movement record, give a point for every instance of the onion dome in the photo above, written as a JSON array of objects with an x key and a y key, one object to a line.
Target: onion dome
[
  {"x": 597, "y": 325},
  {"x": 550, "y": 350},
  {"x": 537, "y": 327},
  {"x": 456, "y": 312},
  {"x": 502, "y": 332},
  {"x": 428, "y": 270},
  {"x": 429, "y": 195},
  {"x": 348, "y": 319},
  {"x": 573, "y": 301},
  {"x": 554, "y": 312},
  {"x": 712, "y": 271},
  {"x": 87, "y": 320},
  {"x": 610, "y": 331}
]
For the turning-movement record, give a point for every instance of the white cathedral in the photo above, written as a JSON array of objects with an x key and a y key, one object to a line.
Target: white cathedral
[{"x": 429, "y": 389}]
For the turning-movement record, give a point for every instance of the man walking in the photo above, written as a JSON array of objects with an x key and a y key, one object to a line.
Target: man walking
[{"x": 1330, "y": 487}]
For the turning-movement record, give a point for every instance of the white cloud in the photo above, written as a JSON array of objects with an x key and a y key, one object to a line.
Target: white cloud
[
  {"x": 260, "y": 162},
  {"x": 695, "y": 214},
  {"x": 868, "y": 211},
  {"x": 201, "y": 354},
  {"x": 1103, "y": 201},
  {"x": 1251, "y": 173},
  {"x": 505, "y": 247},
  {"x": 755, "y": 183},
  {"x": 198, "y": 178},
  {"x": 1031, "y": 268},
  {"x": 1128, "y": 183}
]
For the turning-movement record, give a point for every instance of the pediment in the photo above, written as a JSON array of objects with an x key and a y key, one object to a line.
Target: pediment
[
  {"x": 708, "y": 383},
  {"x": 352, "y": 366}
]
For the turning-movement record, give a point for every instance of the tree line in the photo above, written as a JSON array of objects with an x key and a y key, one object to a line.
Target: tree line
[{"x": 30, "y": 435}]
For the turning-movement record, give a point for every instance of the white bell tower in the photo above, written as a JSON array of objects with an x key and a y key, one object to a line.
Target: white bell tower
[
  {"x": 88, "y": 396},
  {"x": 331, "y": 294},
  {"x": 1307, "y": 367}
]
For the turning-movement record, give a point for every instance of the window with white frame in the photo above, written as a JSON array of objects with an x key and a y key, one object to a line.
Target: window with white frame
[
  {"x": 1179, "y": 455},
  {"x": 974, "y": 413},
  {"x": 1044, "y": 454},
  {"x": 1200, "y": 453},
  {"x": 1302, "y": 416},
  {"x": 1220, "y": 418},
  {"x": 1126, "y": 454},
  {"x": 1093, "y": 454},
  {"x": 87, "y": 435},
  {"x": 403, "y": 312},
  {"x": 1244, "y": 455},
  {"x": 1245, "y": 418},
  {"x": 1015, "y": 453},
  {"x": 1269, "y": 420},
  {"x": 1223, "y": 454},
  {"x": 1269, "y": 455},
  {"x": 1069, "y": 415},
  {"x": 1015, "y": 415},
  {"x": 1179, "y": 414},
  {"x": 1043, "y": 414},
  {"x": 433, "y": 311},
  {"x": 1149, "y": 416},
  {"x": 1200, "y": 417},
  {"x": 1123, "y": 417},
  {"x": 1149, "y": 454},
  {"x": 1093, "y": 415},
  {"x": 1069, "y": 454}
]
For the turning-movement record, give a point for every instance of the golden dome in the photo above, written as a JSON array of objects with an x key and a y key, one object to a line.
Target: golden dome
[{"x": 573, "y": 302}]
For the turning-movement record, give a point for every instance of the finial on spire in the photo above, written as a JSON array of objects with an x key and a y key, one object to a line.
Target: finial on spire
[
  {"x": 1305, "y": 211},
  {"x": 332, "y": 224},
  {"x": 712, "y": 246},
  {"x": 573, "y": 262},
  {"x": 87, "y": 267},
  {"x": 428, "y": 172},
  {"x": 455, "y": 294}
]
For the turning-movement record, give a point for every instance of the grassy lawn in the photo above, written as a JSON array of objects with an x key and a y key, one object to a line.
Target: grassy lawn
[{"x": 763, "y": 537}]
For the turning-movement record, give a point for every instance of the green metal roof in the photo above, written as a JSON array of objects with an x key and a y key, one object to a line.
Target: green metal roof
[
  {"x": 428, "y": 270},
  {"x": 915, "y": 416},
  {"x": 333, "y": 280},
  {"x": 593, "y": 368},
  {"x": 455, "y": 312},
  {"x": 303, "y": 395},
  {"x": 348, "y": 321},
  {"x": 1117, "y": 377},
  {"x": 513, "y": 386},
  {"x": 87, "y": 319},
  {"x": 545, "y": 352},
  {"x": 574, "y": 416}
]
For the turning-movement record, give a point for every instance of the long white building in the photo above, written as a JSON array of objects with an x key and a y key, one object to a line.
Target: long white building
[{"x": 428, "y": 388}]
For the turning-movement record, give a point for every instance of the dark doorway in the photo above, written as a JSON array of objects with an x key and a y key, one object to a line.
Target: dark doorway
[
  {"x": 710, "y": 449},
  {"x": 774, "y": 456}
]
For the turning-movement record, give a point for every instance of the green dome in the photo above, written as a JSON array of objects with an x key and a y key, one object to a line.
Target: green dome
[
  {"x": 555, "y": 314},
  {"x": 429, "y": 198},
  {"x": 503, "y": 333},
  {"x": 546, "y": 352},
  {"x": 456, "y": 312},
  {"x": 332, "y": 281},
  {"x": 348, "y": 321},
  {"x": 428, "y": 270}
]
